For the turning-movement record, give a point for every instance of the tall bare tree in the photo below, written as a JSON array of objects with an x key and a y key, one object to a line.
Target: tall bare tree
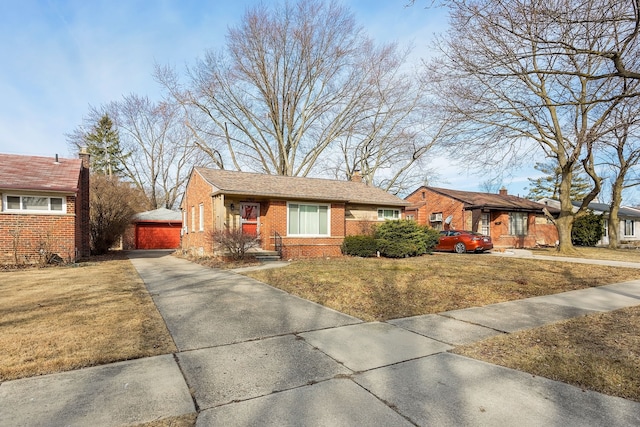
[
  {"x": 161, "y": 147},
  {"x": 295, "y": 80},
  {"x": 158, "y": 145},
  {"x": 619, "y": 157},
  {"x": 511, "y": 72}
]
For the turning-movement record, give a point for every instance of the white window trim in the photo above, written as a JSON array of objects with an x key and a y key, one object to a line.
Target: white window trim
[
  {"x": 310, "y": 204},
  {"x": 633, "y": 228},
  {"x": 5, "y": 204},
  {"x": 185, "y": 224},
  {"x": 193, "y": 218},
  {"x": 201, "y": 216},
  {"x": 383, "y": 218}
]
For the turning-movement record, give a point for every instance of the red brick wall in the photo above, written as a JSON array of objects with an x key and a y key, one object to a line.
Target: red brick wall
[
  {"x": 82, "y": 224},
  {"x": 27, "y": 234},
  {"x": 427, "y": 202},
  {"x": 430, "y": 202},
  {"x": 198, "y": 191}
]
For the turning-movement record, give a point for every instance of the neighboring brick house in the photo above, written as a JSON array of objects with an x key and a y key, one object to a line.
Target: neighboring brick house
[
  {"x": 309, "y": 216},
  {"x": 44, "y": 208},
  {"x": 510, "y": 221}
]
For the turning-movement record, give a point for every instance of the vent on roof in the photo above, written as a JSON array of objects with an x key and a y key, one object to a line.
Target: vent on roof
[{"x": 57, "y": 162}]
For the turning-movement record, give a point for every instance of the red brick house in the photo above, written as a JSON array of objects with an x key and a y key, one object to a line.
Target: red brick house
[
  {"x": 305, "y": 217},
  {"x": 510, "y": 221},
  {"x": 44, "y": 208}
]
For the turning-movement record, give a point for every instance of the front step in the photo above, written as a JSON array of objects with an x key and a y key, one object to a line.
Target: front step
[{"x": 265, "y": 256}]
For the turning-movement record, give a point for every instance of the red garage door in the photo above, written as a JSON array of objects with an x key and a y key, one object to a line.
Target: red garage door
[{"x": 157, "y": 236}]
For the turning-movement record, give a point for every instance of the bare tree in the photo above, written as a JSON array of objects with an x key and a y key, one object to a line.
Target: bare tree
[
  {"x": 619, "y": 156},
  {"x": 511, "y": 73},
  {"x": 295, "y": 80},
  {"x": 161, "y": 147}
]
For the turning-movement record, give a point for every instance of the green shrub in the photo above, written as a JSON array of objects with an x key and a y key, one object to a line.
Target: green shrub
[
  {"x": 403, "y": 238},
  {"x": 587, "y": 230},
  {"x": 364, "y": 246}
]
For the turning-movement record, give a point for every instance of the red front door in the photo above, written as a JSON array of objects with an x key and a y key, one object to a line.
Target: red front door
[{"x": 249, "y": 218}]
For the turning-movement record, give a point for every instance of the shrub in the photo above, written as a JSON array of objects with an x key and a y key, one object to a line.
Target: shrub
[
  {"x": 402, "y": 238},
  {"x": 363, "y": 246},
  {"x": 587, "y": 230},
  {"x": 233, "y": 241}
]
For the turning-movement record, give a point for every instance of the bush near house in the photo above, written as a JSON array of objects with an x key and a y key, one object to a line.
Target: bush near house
[
  {"x": 362, "y": 246},
  {"x": 393, "y": 239},
  {"x": 587, "y": 230},
  {"x": 232, "y": 242}
]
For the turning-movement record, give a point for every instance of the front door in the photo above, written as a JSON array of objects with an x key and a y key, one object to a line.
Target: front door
[{"x": 249, "y": 218}]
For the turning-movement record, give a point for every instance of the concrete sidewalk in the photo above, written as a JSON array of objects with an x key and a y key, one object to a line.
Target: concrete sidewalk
[{"x": 250, "y": 354}]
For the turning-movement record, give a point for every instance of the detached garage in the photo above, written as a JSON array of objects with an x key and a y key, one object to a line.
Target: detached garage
[{"x": 157, "y": 229}]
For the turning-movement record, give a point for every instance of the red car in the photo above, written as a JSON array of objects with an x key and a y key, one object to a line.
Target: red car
[{"x": 463, "y": 241}]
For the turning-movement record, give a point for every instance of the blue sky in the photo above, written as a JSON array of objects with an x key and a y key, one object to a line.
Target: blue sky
[{"x": 59, "y": 57}]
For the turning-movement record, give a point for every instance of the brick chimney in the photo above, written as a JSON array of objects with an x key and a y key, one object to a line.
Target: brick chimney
[
  {"x": 355, "y": 176},
  {"x": 502, "y": 191},
  {"x": 82, "y": 207}
]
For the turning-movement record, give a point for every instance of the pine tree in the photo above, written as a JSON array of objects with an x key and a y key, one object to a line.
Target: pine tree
[
  {"x": 549, "y": 185},
  {"x": 103, "y": 144}
]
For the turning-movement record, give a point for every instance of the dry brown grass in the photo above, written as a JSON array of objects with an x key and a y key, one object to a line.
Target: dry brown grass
[
  {"x": 188, "y": 420},
  {"x": 63, "y": 318},
  {"x": 598, "y": 352},
  {"x": 627, "y": 255},
  {"x": 382, "y": 289}
]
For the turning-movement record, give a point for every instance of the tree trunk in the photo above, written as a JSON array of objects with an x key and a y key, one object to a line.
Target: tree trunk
[
  {"x": 564, "y": 224},
  {"x": 614, "y": 221}
]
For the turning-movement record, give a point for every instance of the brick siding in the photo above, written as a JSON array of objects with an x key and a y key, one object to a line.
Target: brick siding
[
  {"x": 273, "y": 219},
  {"x": 539, "y": 232},
  {"x": 26, "y": 237}
]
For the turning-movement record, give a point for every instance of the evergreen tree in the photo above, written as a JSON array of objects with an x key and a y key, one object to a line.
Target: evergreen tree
[
  {"x": 549, "y": 185},
  {"x": 103, "y": 144}
]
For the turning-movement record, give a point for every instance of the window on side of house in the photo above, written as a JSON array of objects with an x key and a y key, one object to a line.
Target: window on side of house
[
  {"x": 307, "y": 219},
  {"x": 518, "y": 223},
  {"x": 385, "y": 213},
  {"x": 486, "y": 219},
  {"x": 36, "y": 204},
  {"x": 185, "y": 225},
  {"x": 629, "y": 227},
  {"x": 606, "y": 228},
  {"x": 201, "y": 216},
  {"x": 193, "y": 218}
]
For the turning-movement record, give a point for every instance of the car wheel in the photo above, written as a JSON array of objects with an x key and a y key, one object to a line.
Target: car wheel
[{"x": 460, "y": 248}]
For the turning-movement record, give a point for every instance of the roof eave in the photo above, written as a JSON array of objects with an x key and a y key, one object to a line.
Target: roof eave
[{"x": 305, "y": 197}]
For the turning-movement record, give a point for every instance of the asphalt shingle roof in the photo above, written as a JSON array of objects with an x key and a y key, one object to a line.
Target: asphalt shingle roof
[
  {"x": 39, "y": 173},
  {"x": 159, "y": 215},
  {"x": 604, "y": 207},
  {"x": 490, "y": 200},
  {"x": 288, "y": 187}
]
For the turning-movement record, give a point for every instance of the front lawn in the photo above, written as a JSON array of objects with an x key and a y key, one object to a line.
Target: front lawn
[
  {"x": 63, "y": 318},
  {"x": 381, "y": 289}
]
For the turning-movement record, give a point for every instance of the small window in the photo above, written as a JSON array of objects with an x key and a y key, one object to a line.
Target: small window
[
  {"x": 193, "y": 218},
  {"x": 38, "y": 204},
  {"x": 185, "y": 225},
  {"x": 629, "y": 227},
  {"x": 201, "y": 218},
  {"x": 388, "y": 214}
]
